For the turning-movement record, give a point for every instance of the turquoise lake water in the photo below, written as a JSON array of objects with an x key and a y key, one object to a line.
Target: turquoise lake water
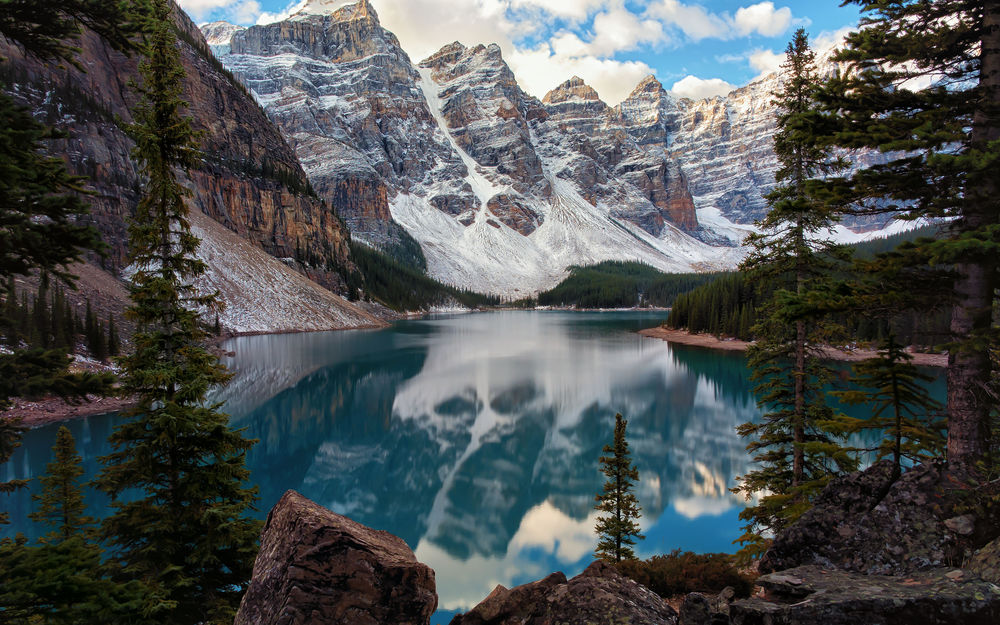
[{"x": 476, "y": 437}]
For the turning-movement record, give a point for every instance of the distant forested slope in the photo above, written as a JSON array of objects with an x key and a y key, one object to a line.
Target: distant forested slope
[
  {"x": 621, "y": 284},
  {"x": 727, "y": 306}
]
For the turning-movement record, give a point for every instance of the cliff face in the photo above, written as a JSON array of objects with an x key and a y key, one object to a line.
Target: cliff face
[
  {"x": 249, "y": 179},
  {"x": 723, "y": 145},
  {"x": 345, "y": 94},
  {"x": 503, "y": 191}
]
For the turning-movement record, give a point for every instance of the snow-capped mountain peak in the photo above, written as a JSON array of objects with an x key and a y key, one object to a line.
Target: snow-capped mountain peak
[
  {"x": 306, "y": 8},
  {"x": 504, "y": 191}
]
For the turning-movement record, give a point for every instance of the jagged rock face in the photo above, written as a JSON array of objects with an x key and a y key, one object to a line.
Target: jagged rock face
[
  {"x": 249, "y": 180},
  {"x": 598, "y": 595},
  {"x": 650, "y": 113},
  {"x": 863, "y": 523},
  {"x": 487, "y": 114},
  {"x": 219, "y": 34},
  {"x": 480, "y": 173},
  {"x": 600, "y": 154},
  {"x": 722, "y": 144},
  {"x": 811, "y": 594},
  {"x": 315, "y": 566},
  {"x": 347, "y": 98}
]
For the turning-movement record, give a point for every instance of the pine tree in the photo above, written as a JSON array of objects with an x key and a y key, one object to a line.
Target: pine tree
[
  {"x": 791, "y": 255},
  {"x": 923, "y": 84},
  {"x": 60, "y": 504},
  {"x": 619, "y": 529},
  {"x": 903, "y": 407},
  {"x": 63, "y": 579},
  {"x": 186, "y": 531}
]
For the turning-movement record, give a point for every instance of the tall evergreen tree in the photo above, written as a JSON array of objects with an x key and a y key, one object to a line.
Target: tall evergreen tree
[
  {"x": 924, "y": 85},
  {"x": 114, "y": 343},
  {"x": 60, "y": 504},
  {"x": 186, "y": 532},
  {"x": 791, "y": 255},
  {"x": 618, "y": 530},
  {"x": 39, "y": 200}
]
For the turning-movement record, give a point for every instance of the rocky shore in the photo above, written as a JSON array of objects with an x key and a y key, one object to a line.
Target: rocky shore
[
  {"x": 683, "y": 337},
  {"x": 872, "y": 551}
]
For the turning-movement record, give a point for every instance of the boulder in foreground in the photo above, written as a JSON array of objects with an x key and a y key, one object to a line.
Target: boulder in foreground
[{"x": 316, "y": 566}]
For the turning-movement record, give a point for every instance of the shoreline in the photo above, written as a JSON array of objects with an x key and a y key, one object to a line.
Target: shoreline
[
  {"x": 708, "y": 341},
  {"x": 35, "y": 414}
]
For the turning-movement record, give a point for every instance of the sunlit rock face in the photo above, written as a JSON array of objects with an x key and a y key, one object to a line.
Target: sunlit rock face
[
  {"x": 345, "y": 95},
  {"x": 502, "y": 191},
  {"x": 237, "y": 183},
  {"x": 724, "y": 145}
]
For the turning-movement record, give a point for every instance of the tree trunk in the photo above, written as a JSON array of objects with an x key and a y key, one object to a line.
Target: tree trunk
[
  {"x": 798, "y": 428},
  {"x": 969, "y": 369}
]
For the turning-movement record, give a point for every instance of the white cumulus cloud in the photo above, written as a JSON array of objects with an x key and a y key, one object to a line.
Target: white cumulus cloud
[
  {"x": 546, "y": 41},
  {"x": 424, "y": 26},
  {"x": 765, "y": 61},
  {"x": 575, "y": 10},
  {"x": 699, "y": 88},
  {"x": 762, "y": 18},
  {"x": 697, "y": 23},
  {"x": 198, "y": 9},
  {"x": 693, "y": 20},
  {"x": 292, "y": 8}
]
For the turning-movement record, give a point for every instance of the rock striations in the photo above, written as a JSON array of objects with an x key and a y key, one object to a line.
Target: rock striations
[
  {"x": 249, "y": 179},
  {"x": 315, "y": 566},
  {"x": 884, "y": 552},
  {"x": 502, "y": 190}
]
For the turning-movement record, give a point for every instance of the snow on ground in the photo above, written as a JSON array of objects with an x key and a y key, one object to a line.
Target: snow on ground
[{"x": 261, "y": 293}]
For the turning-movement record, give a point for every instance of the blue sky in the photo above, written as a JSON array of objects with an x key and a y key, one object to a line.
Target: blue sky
[{"x": 696, "y": 48}]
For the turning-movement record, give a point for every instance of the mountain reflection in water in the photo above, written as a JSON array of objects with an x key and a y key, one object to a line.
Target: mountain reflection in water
[{"x": 475, "y": 438}]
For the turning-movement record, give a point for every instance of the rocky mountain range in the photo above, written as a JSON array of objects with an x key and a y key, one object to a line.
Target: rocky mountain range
[
  {"x": 260, "y": 215},
  {"x": 504, "y": 191}
]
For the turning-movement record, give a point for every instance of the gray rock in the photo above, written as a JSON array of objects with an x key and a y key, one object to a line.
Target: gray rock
[
  {"x": 696, "y": 610},
  {"x": 598, "y": 595},
  {"x": 986, "y": 562},
  {"x": 864, "y": 523},
  {"x": 964, "y": 524},
  {"x": 842, "y": 598}
]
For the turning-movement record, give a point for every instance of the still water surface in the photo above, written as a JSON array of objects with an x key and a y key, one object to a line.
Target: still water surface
[{"x": 475, "y": 437}]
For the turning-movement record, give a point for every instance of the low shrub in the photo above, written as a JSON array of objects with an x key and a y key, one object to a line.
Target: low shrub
[{"x": 679, "y": 573}]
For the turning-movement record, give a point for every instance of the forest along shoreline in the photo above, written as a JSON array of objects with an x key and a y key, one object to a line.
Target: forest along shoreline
[
  {"x": 48, "y": 410},
  {"x": 709, "y": 341}
]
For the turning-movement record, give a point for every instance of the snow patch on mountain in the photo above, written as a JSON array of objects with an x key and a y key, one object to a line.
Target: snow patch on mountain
[
  {"x": 481, "y": 186},
  {"x": 504, "y": 191}
]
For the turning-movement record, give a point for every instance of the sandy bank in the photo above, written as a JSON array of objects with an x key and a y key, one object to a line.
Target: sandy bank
[{"x": 684, "y": 337}]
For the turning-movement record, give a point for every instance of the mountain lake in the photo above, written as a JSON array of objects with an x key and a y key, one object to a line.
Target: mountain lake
[{"x": 476, "y": 437}]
